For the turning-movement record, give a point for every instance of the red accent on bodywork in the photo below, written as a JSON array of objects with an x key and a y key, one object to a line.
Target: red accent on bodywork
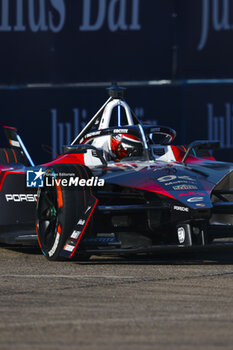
[
  {"x": 146, "y": 183},
  {"x": 178, "y": 153},
  {"x": 68, "y": 158},
  {"x": 194, "y": 160},
  {"x": 5, "y": 173},
  {"x": 7, "y": 158},
  {"x": 9, "y": 127},
  {"x": 59, "y": 196},
  {"x": 59, "y": 229},
  {"x": 151, "y": 186},
  {"x": 38, "y": 236},
  {"x": 3, "y": 167},
  {"x": 2, "y": 179},
  {"x": 209, "y": 158},
  {"x": 14, "y": 155},
  {"x": 191, "y": 194}
]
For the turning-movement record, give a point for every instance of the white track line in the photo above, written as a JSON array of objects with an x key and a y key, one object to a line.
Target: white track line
[
  {"x": 66, "y": 276},
  {"x": 122, "y": 320}
]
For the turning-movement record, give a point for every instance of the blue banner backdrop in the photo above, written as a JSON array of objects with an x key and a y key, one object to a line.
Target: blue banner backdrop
[
  {"x": 85, "y": 40},
  {"x": 64, "y": 41},
  {"x": 204, "y": 33}
]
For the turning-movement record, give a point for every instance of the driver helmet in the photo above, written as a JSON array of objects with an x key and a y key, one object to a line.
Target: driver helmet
[{"x": 125, "y": 145}]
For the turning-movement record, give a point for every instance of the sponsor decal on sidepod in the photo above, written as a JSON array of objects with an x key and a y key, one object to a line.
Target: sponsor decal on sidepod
[
  {"x": 176, "y": 207},
  {"x": 195, "y": 199},
  {"x": 20, "y": 197},
  {"x": 184, "y": 187},
  {"x": 191, "y": 194}
]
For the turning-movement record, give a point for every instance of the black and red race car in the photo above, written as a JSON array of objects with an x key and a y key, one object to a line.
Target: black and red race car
[{"x": 121, "y": 187}]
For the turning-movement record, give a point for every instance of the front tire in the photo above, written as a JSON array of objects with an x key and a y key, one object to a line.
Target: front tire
[{"x": 58, "y": 210}]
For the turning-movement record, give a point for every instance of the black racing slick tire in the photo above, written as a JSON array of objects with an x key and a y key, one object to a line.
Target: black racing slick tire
[
  {"x": 58, "y": 210},
  {"x": 11, "y": 156}
]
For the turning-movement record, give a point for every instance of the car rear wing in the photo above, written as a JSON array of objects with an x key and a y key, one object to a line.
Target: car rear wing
[
  {"x": 202, "y": 144},
  {"x": 16, "y": 143}
]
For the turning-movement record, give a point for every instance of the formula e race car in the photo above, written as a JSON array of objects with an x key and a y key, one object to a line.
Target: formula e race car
[{"x": 121, "y": 187}]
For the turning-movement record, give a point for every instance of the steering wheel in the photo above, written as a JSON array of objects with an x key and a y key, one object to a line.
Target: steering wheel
[{"x": 168, "y": 133}]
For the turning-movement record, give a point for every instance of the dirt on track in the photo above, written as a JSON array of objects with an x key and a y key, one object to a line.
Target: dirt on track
[{"x": 113, "y": 303}]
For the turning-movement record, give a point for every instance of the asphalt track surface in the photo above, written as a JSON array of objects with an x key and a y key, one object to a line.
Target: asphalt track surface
[{"x": 167, "y": 302}]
